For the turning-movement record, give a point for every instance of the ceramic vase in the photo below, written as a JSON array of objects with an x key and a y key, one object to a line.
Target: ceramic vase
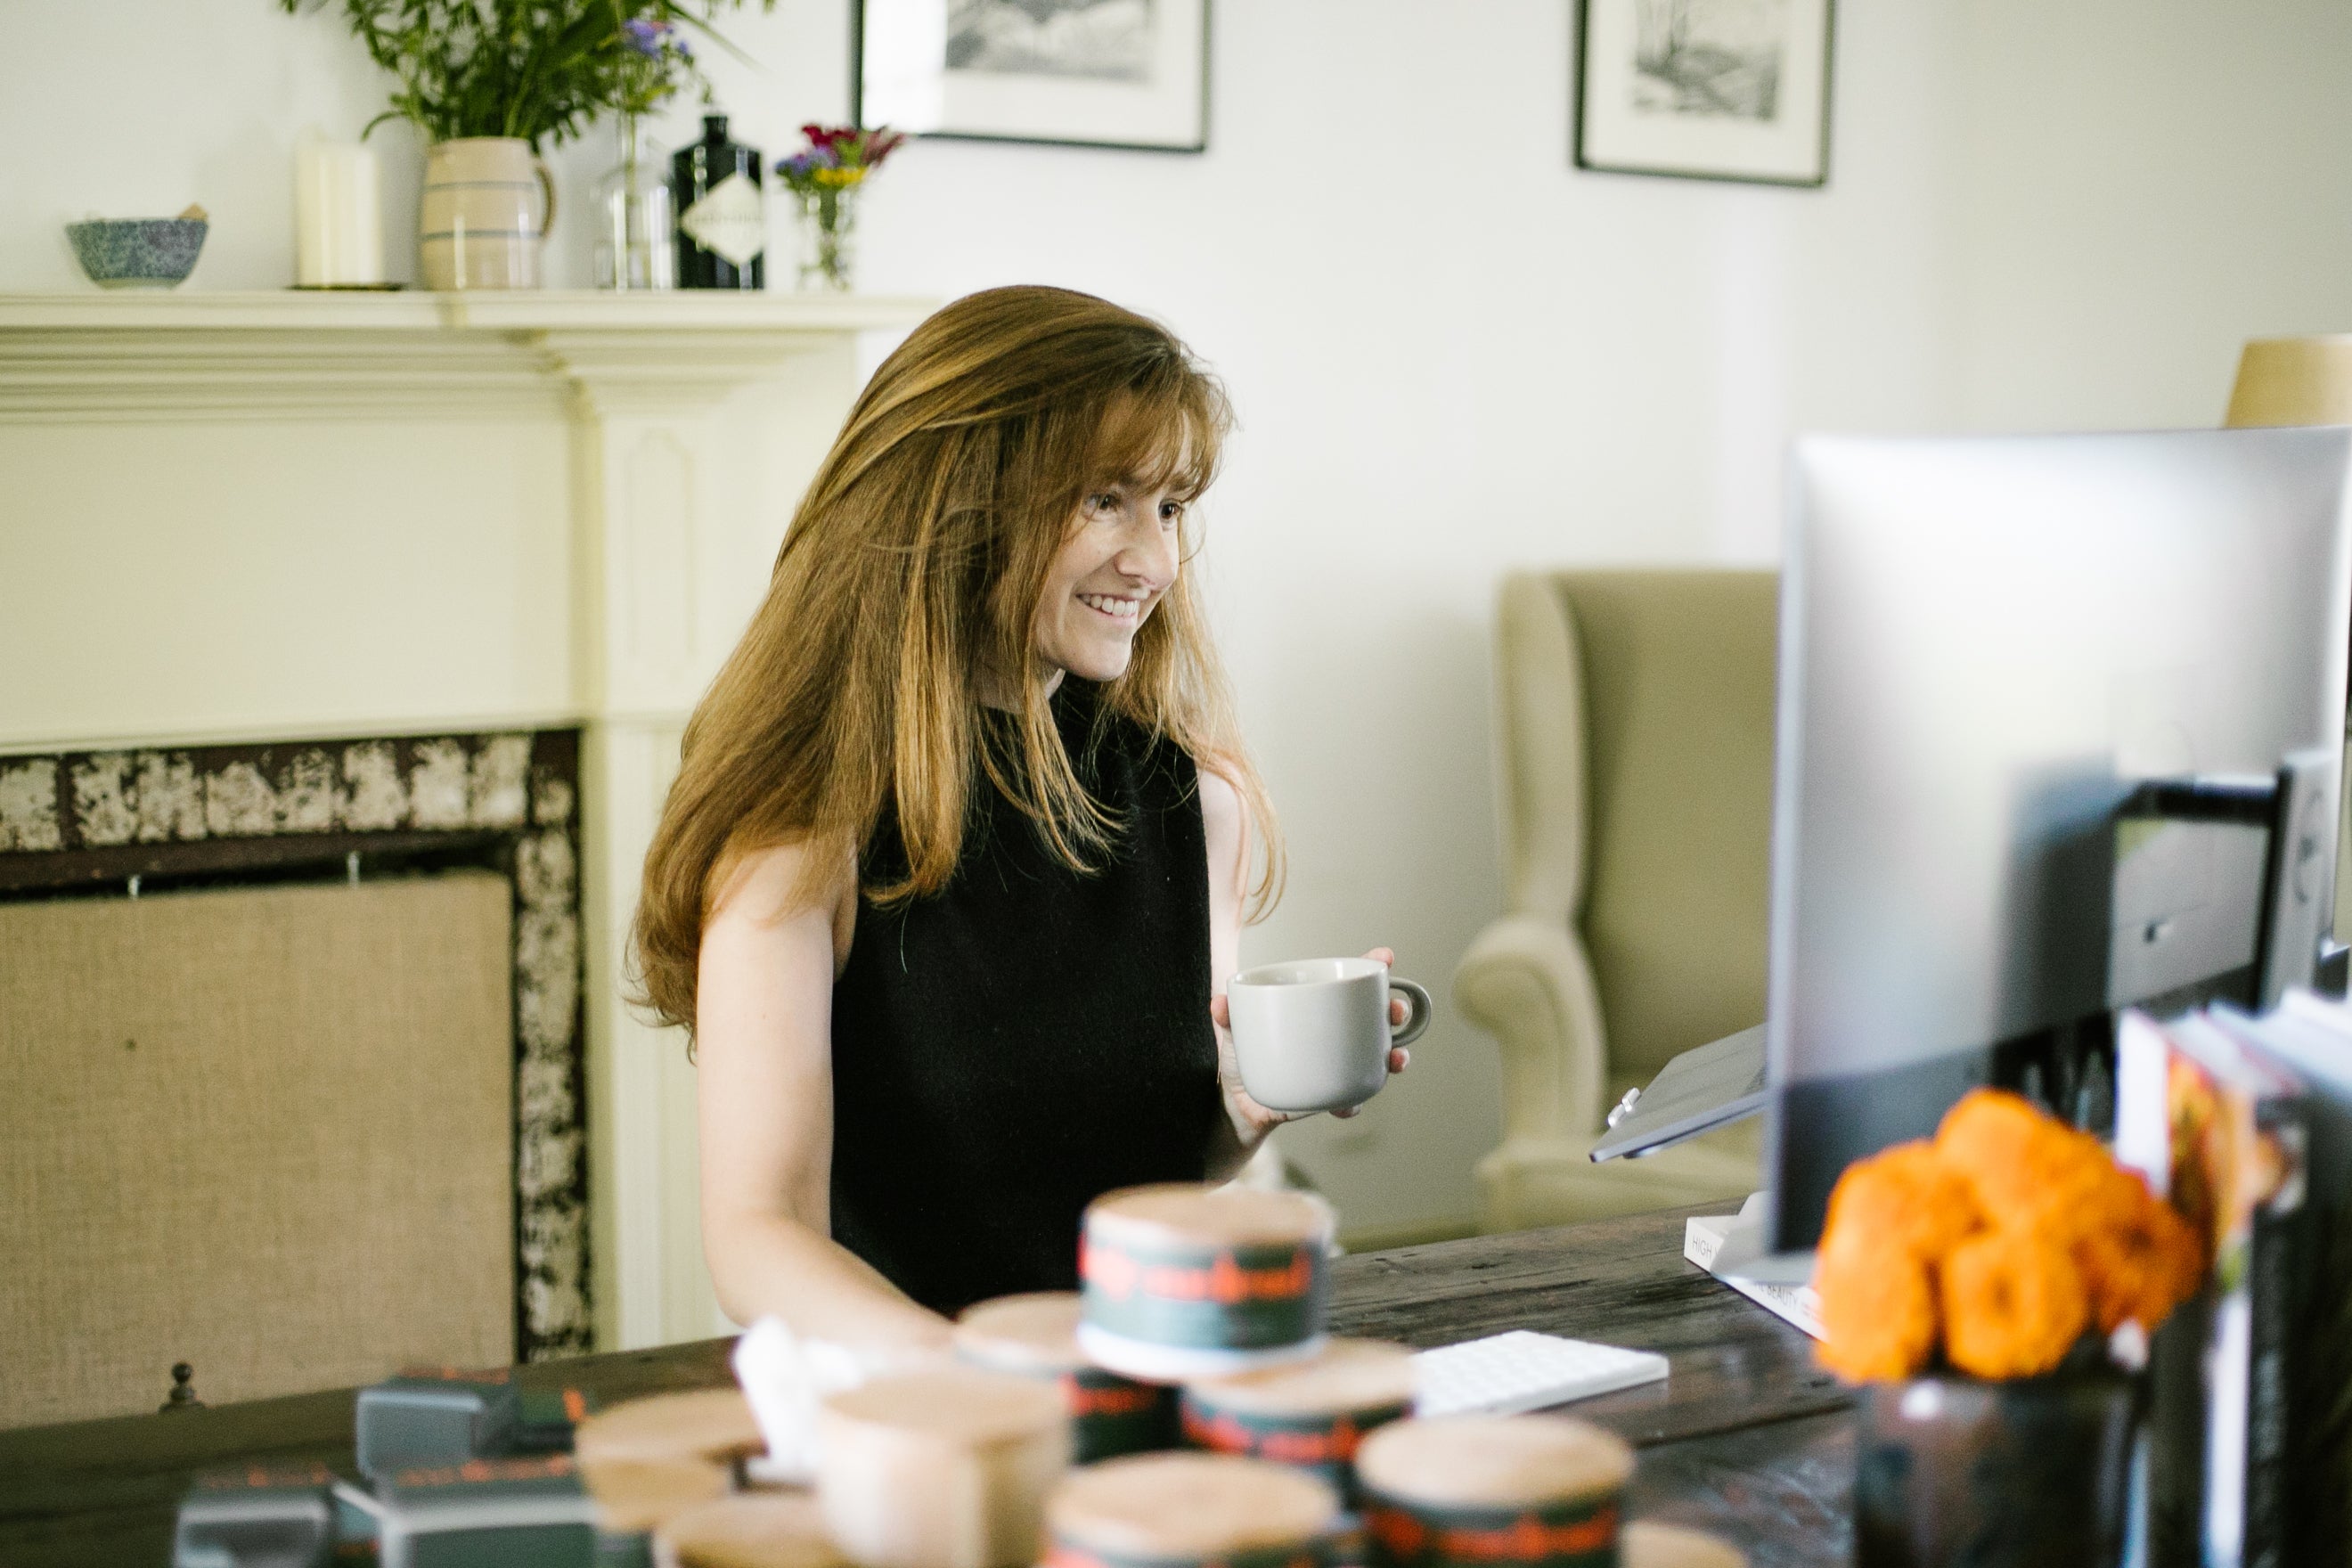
[
  {"x": 2032, "y": 1473},
  {"x": 486, "y": 205}
]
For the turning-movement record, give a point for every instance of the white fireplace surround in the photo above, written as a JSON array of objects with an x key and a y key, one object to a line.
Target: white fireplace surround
[{"x": 299, "y": 516}]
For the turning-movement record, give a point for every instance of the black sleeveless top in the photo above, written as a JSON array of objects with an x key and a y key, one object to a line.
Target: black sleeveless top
[{"x": 1030, "y": 1037}]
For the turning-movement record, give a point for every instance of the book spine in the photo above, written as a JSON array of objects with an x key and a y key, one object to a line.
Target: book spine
[
  {"x": 2319, "y": 1391},
  {"x": 2273, "y": 1266}
]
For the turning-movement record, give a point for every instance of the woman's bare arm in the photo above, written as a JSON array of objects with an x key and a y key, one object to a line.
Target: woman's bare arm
[
  {"x": 1224, "y": 818},
  {"x": 764, "y": 1088}
]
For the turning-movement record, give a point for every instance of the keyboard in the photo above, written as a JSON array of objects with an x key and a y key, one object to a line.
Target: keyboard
[{"x": 1505, "y": 1374}]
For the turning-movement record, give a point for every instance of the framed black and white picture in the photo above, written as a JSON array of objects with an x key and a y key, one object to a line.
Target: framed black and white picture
[
  {"x": 1709, "y": 90},
  {"x": 1096, "y": 73}
]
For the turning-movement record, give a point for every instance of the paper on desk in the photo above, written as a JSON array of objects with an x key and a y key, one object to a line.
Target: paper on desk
[
  {"x": 1721, "y": 1243},
  {"x": 784, "y": 1376}
]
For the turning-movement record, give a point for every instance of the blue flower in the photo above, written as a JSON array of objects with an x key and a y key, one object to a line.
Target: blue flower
[{"x": 649, "y": 38}]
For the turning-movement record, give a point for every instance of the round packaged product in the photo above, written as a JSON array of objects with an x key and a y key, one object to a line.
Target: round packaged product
[
  {"x": 751, "y": 1529},
  {"x": 1176, "y": 1511},
  {"x": 945, "y": 1467},
  {"x": 1036, "y": 1336},
  {"x": 1455, "y": 1491},
  {"x": 1671, "y": 1546},
  {"x": 711, "y": 1423},
  {"x": 1189, "y": 1281},
  {"x": 1311, "y": 1414},
  {"x": 634, "y": 1497}
]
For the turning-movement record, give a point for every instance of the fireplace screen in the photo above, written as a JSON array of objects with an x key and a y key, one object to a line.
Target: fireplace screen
[{"x": 306, "y": 1106}]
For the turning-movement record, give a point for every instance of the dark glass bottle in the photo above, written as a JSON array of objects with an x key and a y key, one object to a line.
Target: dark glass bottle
[{"x": 723, "y": 220}]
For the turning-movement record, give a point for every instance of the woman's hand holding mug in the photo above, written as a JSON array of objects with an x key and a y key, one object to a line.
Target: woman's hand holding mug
[{"x": 1321, "y": 1033}]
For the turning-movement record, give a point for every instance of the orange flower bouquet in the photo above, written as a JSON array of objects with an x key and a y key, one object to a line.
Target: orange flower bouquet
[{"x": 1994, "y": 1247}]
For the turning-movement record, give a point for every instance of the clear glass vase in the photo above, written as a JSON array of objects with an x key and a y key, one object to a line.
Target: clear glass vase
[
  {"x": 635, "y": 221},
  {"x": 827, "y": 230}
]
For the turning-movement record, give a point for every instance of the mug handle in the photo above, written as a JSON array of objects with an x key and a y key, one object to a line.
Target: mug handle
[
  {"x": 547, "y": 188},
  {"x": 1418, "y": 1019}
]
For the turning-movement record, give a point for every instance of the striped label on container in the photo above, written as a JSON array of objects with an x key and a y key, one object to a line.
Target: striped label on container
[
  {"x": 1578, "y": 1533},
  {"x": 1111, "y": 1415},
  {"x": 1324, "y": 1443},
  {"x": 1204, "y": 1297}
]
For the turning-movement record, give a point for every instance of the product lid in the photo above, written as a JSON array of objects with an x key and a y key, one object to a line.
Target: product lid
[
  {"x": 1505, "y": 1461},
  {"x": 1350, "y": 1375},
  {"x": 1670, "y": 1546},
  {"x": 1187, "y": 1505},
  {"x": 633, "y": 1496},
  {"x": 1035, "y": 1335},
  {"x": 751, "y": 1529},
  {"x": 714, "y": 128},
  {"x": 1220, "y": 1216},
  {"x": 959, "y": 1404},
  {"x": 712, "y": 1423}
]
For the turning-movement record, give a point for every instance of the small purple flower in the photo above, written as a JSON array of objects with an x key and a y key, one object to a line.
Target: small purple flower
[{"x": 649, "y": 38}]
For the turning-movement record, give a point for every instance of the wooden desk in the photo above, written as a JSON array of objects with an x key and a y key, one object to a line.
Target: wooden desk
[{"x": 1745, "y": 1437}]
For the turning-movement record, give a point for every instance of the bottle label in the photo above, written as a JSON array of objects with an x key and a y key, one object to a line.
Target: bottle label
[{"x": 730, "y": 221}]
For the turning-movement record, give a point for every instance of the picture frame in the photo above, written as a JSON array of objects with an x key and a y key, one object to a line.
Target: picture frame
[
  {"x": 1706, "y": 90},
  {"x": 1127, "y": 74}
]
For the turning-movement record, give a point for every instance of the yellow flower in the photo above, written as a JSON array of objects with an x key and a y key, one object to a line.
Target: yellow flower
[{"x": 837, "y": 179}]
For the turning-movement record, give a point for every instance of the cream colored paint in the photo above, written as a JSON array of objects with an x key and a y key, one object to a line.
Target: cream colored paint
[{"x": 291, "y": 596}]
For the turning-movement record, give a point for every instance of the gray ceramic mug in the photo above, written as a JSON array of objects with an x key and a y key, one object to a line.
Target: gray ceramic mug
[{"x": 1313, "y": 1034}]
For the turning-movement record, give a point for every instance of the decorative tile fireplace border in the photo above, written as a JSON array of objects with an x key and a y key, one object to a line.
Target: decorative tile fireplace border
[{"x": 85, "y": 820}]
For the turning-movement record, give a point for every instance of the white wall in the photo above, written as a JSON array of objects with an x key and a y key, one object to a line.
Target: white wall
[
  {"x": 1451, "y": 353},
  {"x": 2148, "y": 183}
]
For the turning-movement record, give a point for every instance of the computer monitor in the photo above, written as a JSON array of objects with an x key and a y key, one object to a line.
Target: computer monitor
[{"x": 1988, "y": 648}]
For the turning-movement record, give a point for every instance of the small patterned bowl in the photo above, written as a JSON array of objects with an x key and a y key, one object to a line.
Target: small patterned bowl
[{"x": 138, "y": 252}]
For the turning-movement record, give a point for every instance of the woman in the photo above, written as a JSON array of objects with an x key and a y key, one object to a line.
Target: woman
[{"x": 961, "y": 834}]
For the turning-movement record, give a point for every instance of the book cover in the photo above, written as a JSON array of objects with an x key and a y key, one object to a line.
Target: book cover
[
  {"x": 518, "y": 1513},
  {"x": 2220, "y": 1129},
  {"x": 278, "y": 1514},
  {"x": 2313, "y": 1036}
]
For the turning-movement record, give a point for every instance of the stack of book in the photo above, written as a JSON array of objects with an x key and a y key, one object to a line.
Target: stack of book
[
  {"x": 465, "y": 1468},
  {"x": 2245, "y": 1123}
]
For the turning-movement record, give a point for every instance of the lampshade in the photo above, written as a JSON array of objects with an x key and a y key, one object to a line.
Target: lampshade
[{"x": 2294, "y": 381}]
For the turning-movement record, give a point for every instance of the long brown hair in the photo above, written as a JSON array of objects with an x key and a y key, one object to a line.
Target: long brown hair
[{"x": 911, "y": 573}]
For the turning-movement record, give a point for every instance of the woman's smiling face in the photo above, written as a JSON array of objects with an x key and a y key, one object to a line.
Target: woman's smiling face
[{"x": 1119, "y": 559}]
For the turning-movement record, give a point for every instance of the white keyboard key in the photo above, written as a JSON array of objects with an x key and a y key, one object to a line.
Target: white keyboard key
[{"x": 1505, "y": 1374}]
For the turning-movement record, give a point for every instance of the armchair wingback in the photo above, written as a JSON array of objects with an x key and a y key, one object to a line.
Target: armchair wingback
[{"x": 1635, "y": 762}]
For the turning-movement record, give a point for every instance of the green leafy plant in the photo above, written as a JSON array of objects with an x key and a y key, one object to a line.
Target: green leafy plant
[{"x": 539, "y": 70}]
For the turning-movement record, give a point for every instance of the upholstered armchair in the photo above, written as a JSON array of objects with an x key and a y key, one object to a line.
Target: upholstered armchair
[{"x": 1635, "y": 730}]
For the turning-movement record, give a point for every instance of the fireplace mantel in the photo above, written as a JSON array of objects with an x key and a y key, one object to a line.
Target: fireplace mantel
[
  {"x": 66, "y": 357},
  {"x": 242, "y": 518}
]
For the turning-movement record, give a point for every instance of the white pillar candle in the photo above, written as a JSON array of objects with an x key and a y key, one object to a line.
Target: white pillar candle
[
  {"x": 940, "y": 1469},
  {"x": 338, "y": 214}
]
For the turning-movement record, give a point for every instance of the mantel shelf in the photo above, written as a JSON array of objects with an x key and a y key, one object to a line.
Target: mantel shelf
[
  {"x": 493, "y": 311},
  {"x": 351, "y": 354}
]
